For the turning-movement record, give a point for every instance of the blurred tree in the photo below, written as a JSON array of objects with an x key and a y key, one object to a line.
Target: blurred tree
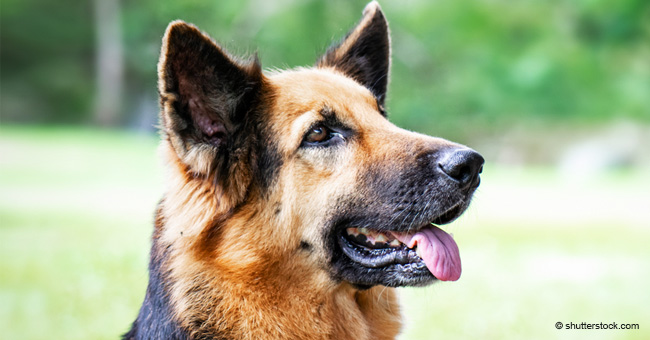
[
  {"x": 459, "y": 66},
  {"x": 46, "y": 64},
  {"x": 109, "y": 56}
]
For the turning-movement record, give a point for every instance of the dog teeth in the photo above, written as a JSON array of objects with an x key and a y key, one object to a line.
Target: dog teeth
[
  {"x": 374, "y": 238},
  {"x": 353, "y": 231},
  {"x": 417, "y": 251}
]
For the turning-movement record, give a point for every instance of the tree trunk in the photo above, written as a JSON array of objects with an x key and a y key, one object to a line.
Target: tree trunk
[{"x": 109, "y": 63}]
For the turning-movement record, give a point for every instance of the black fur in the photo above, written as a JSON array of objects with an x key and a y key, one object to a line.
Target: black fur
[
  {"x": 155, "y": 320},
  {"x": 215, "y": 91},
  {"x": 367, "y": 59},
  {"x": 217, "y": 103}
]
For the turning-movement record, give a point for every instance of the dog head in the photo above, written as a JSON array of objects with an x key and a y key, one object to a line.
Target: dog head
[{"x": 302, "y": 169}]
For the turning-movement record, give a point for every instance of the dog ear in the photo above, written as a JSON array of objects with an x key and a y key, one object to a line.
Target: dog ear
[
  {"x": 364, "y": 54},
  {"x": 205, "y": 96}
]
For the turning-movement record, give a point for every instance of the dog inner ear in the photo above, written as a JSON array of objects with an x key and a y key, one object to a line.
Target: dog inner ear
[
  {"x": 364, "y": 54},
  {"x": 205, "y": 95}
]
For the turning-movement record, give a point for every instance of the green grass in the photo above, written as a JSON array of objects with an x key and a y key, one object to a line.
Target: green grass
[
  {"x": 76, "y": 214},
  {"x": 75, "y": 218}
]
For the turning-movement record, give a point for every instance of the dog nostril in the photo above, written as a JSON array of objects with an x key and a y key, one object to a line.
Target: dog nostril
[
  {"x": 458, "y": 173},
  {"x": 464, "y": 173},
  {"x": 463, "y": 166}
]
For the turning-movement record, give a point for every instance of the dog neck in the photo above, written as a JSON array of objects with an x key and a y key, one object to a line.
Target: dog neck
[
  {"x": 192, "y": 304},
  {"x": 205, "y": 284}
]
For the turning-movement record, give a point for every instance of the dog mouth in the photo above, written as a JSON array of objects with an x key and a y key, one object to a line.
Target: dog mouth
[{"x": 424, "y": 251}]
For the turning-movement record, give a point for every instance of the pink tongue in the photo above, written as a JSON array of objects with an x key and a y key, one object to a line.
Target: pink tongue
[{"x": 438, "y": 250}]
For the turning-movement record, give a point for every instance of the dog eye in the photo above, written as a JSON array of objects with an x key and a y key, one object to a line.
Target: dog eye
[
  {"x": 321, "y": 136},
  {"x": 318, "y": 134}
]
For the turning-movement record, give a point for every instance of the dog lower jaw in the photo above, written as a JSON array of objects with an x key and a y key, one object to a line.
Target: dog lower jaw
[
  {"x": 399, "y": 267},
  {"x": 378, "y": 257},
  {"x": 410, "y": 257}
]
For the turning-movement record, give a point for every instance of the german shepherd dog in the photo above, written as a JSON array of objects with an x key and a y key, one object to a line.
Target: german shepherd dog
[{"x": 293, "y": 206}]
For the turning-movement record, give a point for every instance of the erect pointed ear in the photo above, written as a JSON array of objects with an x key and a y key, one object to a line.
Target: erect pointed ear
[
  {"x": 205, "y": 96},
  {"x": 364, "y": 54}
]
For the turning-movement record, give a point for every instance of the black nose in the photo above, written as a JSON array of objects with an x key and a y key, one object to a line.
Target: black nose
[{"x": 463, "y": 166}]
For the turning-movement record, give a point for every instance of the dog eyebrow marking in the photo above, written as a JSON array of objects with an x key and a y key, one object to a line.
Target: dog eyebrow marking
[
  {"x": 327, "y": 112},
  {"x": 304, "y": 245},
  {"x": 331, "y": 119}
]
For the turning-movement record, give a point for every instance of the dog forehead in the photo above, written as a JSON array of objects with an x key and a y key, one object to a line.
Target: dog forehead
[
  {"x": 304, "y": 89},
  {"x": 300, "y": 95}
]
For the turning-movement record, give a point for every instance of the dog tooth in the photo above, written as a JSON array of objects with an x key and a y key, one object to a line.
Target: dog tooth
[
  {"x": 353, "y": 231},
  {"x": 417, "y": 251},
  {"x": 394, "y": 243},
  {"x": 381, "y": 238},
  {"x": 363, "y": 231}
]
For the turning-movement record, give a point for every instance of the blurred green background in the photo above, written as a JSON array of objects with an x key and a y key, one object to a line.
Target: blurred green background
[{"x": 555, "y": 95}]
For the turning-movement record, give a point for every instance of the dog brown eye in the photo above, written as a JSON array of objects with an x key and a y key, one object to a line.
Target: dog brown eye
[{"x": 318, "y": 134}]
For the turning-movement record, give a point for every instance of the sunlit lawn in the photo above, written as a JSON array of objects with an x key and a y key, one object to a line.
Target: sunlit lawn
[{"x": 76, "y": 212}]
